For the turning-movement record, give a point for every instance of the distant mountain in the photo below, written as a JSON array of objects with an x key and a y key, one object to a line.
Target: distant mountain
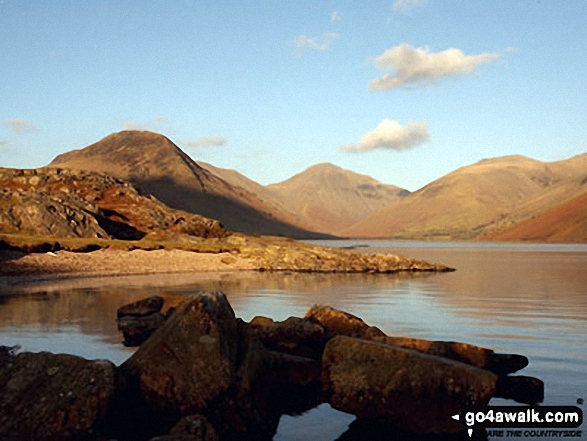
[
  {"x": 479, "y": 200},
  {"x": 331, "y": 199},
  {"x": 157, "y": 166},
  {"x": 566, "y": 222}
]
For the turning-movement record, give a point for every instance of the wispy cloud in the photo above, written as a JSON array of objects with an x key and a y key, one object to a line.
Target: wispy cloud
[
  {"x": 334, "y": 17},
  {"x": 55, "y": 53},
  {"x": 134, "y": 126},
  {"x": 4, "y": 146},
  {"x": 20, "y": 126},
  {"x": 413, "y": 66},
  {"x": 317, "y": 44},
  {"x": 210, "y": 141},
  {"x": 390, "y": 134},
  {"x": 159, "y": 123},
  {"x": 405, "y": 6}
]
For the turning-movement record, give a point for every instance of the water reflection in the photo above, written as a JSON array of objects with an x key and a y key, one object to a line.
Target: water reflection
[{"x": 527, "y": 300}]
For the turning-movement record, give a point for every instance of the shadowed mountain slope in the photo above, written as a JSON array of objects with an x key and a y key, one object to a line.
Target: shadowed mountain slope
[
  {"x": 331, "y": 199},
  {"x": 479, "y": 200},
  {"x": 156, "y": 165}
]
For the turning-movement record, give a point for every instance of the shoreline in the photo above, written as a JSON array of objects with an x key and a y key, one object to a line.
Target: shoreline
[{"x": 67, "y": 265}]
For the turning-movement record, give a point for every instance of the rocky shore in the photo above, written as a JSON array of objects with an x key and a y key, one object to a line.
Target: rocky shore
[
  {"x": 60, "y": 258},
  {"x": 200, "y": 373}
]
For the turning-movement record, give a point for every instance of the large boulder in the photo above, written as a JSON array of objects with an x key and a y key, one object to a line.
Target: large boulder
[
  {"x": 189, "y": 361},
  {"x": 415, "y": 391},
  {"x": 336, "y": 322},
  {"x": 53, "y": 397}
]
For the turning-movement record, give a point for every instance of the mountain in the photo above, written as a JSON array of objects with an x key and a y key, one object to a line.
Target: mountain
[
  {"x": 262, "y": 192},
  {"x": 566, "y": 222},
  {"x": 157, "y": 166},
  {"x": 478, "y": 200},
  {"x": 330, "y": 199},
  {"x": 73, "y": 203}
]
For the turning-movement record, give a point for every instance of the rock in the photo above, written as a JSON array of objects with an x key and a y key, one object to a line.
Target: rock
[
  {"x": 136, "y": 329},
  {"x": 267, "y": 384},
  {"x": 415, "y": 391},
  {"x": 189, "y": 361},
  {"x": 520, "y": 388},
  {"x": 337, "y": 322},
  {"x": 484, "y": 358},
  {"x": 48, "y": 397},
  {"x": 190, "y": 428},
  {"x": 75, "y": 203},
  {"x": 142, "y": 307},
  {"x": 246, "y": 412},
  {"x": 292, "y": 336}
]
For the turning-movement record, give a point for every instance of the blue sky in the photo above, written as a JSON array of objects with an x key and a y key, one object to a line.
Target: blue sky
[{"x": 405, "y": 91}]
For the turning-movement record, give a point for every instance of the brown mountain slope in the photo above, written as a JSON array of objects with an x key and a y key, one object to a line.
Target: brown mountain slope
[
  {"x": 567, "y": 222},
  {"x": 478, "y": 200},
  {"x": 331, "y": 199},
  {"x": 72, "y": 203},
  {"x": 263, "y": 193},
  {"x": 155, "y": 164}
]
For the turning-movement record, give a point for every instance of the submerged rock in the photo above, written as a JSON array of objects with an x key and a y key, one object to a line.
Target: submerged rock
[
  {"x": 53, "y": 397},
  {"x": 416, "y": 392}
]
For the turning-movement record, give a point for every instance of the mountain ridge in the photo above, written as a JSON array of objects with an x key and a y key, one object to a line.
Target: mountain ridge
[{"x": 157, "y": 166}]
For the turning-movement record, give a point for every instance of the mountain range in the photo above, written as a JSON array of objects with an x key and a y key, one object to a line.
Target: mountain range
[{"x": 511, "y": 198}]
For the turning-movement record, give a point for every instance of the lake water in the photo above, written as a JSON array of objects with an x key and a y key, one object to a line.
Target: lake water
[{"x": 527, "y": 299}]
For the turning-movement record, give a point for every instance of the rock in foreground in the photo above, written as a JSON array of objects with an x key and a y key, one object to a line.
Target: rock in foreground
[
  {"x": 53, "y": 397},
  {"x": 417, "y": 392},
  {"x": 189, "y": 361}
]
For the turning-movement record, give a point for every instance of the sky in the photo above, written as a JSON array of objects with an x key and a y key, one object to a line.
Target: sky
[{"x": 405, "y": 91}]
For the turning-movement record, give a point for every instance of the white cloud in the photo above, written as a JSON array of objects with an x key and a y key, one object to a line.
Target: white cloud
[
  {"x": 405, "y": 6},
  {"x": 390, "y": 134},
  {"x": 411, "y": 65},
  {"x": 20, "y": 126},
  {"x": 334, "y": 17},
  {"x": 4, "y": 146},
  {"x": 317, "y": 44},
  {"x": 134, "y": 126},
  {"x": 210, "y": 141}
]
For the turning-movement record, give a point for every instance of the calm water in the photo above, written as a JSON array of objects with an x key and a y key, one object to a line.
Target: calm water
[{"x": 525, "y": 299}]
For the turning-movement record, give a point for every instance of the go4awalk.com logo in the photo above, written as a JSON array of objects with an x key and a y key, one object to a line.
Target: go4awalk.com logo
[{"x": 526, "y": 422}]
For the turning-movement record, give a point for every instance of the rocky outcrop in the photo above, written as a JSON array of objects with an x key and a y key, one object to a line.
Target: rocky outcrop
[
  {"x": 416, "y": 392},
  {"x": 206, "y": 375},
  {"x": 66, "y": 203},
  {"x": 337, "y": 322},
  {"x": 48, "y": 397}
]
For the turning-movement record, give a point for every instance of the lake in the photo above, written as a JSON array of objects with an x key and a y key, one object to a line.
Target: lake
[{"x": 527, "y": 299}]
